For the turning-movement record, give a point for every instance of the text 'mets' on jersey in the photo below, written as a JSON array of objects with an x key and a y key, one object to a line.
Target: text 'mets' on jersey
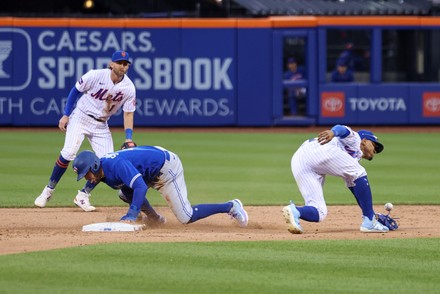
[{"x": 102, "y": 98}]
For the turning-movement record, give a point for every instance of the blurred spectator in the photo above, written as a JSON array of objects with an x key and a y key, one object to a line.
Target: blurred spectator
[
  {"x": 347, "y": 56},
  {"x": 295, "y": 95},
  {"x": 342, "y": 74},
  {"x": 293, "y": 72}
]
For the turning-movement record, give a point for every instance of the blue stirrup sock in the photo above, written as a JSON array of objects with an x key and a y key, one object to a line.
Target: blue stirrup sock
[
  {"x": 88, "y": 187},
  {"x": 58, "y": 171},
  {"x": 362, "y": 192},
  {"x": 308, "y": 213},
  {"x": 204, "y": 210}
]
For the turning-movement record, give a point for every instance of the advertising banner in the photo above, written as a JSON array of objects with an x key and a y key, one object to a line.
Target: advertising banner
[
  {"x": 182, "y": 76},
  {"x": 425, "y": 104},
  {"x": 385, "y": 104}
]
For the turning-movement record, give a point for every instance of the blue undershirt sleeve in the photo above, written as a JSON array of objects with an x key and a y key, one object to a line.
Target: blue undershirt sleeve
[
  {"x": 71, "y": 99},
  {"x": 340, "y": 131},
  {"x": 139, "y": 192}
]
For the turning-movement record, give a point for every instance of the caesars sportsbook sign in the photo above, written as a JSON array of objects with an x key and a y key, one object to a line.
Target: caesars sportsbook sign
[{"x": 181, "y": 77}]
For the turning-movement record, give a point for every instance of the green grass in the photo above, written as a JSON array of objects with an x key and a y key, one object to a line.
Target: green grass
[
  {"x": 254, "y": 167},
  {"x": 372, "y": 266},
  {"x": 218, "y": 166}
]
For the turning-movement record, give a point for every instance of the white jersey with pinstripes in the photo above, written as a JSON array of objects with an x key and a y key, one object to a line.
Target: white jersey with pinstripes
[
  {"x": 100, "y": 100},
  {"x": 312, "y": 162}
]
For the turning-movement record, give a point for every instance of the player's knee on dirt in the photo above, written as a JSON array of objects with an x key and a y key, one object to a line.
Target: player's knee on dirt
[
  {"x": 320, "y": 207},
  {"x": 184, "y": 218},
  {"x": 322, "y": 213}
]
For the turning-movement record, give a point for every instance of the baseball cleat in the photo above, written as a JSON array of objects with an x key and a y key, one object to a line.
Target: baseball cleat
[
  {"x": 237, "y": 211},
  {"x": 372, "y": 226},
  {"x": 83, "y": 202},
  {"x": 45, "y": 196},
  {"x": 291, "y": 215}
]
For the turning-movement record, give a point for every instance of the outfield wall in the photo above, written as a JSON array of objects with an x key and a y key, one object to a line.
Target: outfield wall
[{"x": 200, "y": 72}]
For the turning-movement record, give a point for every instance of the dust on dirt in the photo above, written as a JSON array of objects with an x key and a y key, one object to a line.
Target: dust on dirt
[{"x": 36, "y": 229}]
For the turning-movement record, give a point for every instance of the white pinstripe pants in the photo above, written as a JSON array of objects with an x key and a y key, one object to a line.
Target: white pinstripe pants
[
  {"x": 171, "y": 185},
  {"x": 312, "y": 162},
  {"x": 81, "y": 126}
]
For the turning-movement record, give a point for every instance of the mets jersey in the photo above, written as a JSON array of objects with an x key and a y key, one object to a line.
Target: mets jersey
[
  {"x": 313, "y": 161},
  {"x": 350, "y": 144},
  {"x": 102, "y": 98}
]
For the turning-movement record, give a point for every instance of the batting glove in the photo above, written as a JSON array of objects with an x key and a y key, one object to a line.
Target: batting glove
[{"x": 132, "y": 214}]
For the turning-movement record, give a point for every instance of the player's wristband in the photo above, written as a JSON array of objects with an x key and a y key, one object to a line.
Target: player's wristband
[{"x": 128, "y": 134}]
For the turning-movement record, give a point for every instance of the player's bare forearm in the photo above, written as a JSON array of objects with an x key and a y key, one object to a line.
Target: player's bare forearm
[{"x": 325, "y": 136}]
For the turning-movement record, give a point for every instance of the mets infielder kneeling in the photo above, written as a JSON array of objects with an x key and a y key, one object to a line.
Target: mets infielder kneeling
[
  {"x": 134, "y": 170},
  {"x": 335, "y": 152}
]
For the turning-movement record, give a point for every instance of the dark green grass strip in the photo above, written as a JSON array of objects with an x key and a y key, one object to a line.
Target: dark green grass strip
[{"x": 372, "y": 266}]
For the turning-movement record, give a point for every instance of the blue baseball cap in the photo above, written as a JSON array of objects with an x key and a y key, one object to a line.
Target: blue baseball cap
[
  {"x": 291, "y": 60},
  {"x": 121, "y": 56},
  {"x": 86, "y": 161},
  {"x": 364, "y": 134}
]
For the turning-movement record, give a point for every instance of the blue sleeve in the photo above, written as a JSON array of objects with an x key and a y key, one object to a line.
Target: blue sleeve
[
  {"x": 340, "y": 131},
  {"x": 140, "y": 189},
  {"x": 71, "y": 99}
]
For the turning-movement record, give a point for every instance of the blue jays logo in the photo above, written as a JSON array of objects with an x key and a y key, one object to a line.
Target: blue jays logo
[{"x": 75, "y": 169}]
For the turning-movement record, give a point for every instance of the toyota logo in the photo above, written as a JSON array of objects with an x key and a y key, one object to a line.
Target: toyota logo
[
  {"x": 433, "y": 104},
  {"x": 332, "y": 104}
]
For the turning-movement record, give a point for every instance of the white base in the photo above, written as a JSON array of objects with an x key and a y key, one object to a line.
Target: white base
[{"x": 111, "y": 227}]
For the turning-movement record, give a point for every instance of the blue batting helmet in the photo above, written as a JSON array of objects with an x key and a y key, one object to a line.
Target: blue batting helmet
[
  {"x": 364, "y": 134},
  {"x": 84, "y": 162}
]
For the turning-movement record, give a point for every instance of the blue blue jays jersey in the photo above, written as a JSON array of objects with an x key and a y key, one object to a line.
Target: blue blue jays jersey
[{"x": 124, "y": 167}]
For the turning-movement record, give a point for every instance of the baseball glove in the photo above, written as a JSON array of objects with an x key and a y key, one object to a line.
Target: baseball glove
[
  {"x": 387, "y": 221},
  {"x": 128, "y": 145}
]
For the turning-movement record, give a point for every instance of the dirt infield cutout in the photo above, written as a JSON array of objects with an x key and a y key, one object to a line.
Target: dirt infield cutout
[{"x": 35, "y": 229}]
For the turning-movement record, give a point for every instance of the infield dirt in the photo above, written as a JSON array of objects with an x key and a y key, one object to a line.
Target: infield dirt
[{"x": 36, "y": 229}]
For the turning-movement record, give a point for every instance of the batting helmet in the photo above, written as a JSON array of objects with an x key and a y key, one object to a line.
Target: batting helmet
[
  {"x": 364, "y": 134},
  {"x": 86, "y": 161}
]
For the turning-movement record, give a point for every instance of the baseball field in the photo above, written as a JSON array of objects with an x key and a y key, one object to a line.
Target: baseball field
[{"x": 45, "y": 251}]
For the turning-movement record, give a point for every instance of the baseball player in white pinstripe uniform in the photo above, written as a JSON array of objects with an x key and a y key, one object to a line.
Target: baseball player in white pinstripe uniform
[
  {"x": 101, "y": 93},
  {"x": 335, "y": 152}
]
